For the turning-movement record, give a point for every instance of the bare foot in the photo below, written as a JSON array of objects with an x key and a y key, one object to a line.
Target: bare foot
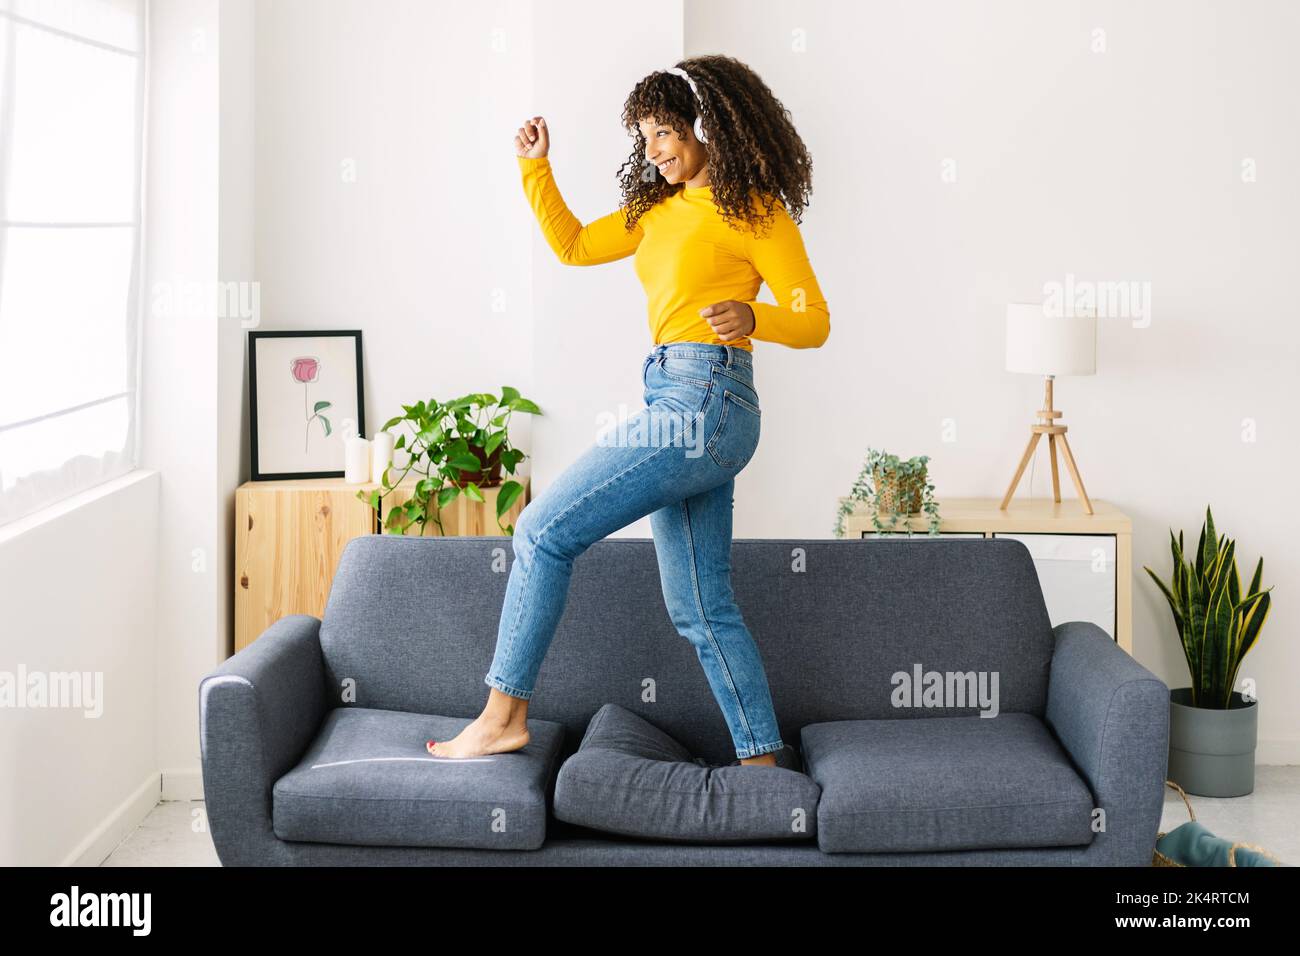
[
  {"x": 502, "y": 727},
  {"x": 483, "y": 736},
  {"x": 762, "y": 760}
]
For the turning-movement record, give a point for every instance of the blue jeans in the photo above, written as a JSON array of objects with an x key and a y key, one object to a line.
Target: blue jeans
[{"x": 675, "y": 460}]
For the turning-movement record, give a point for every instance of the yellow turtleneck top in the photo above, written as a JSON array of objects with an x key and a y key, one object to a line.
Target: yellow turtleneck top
[{"x": 689, "y": 257}]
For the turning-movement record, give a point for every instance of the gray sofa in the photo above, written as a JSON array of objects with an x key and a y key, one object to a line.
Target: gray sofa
[{"x": 313, "y": 736}]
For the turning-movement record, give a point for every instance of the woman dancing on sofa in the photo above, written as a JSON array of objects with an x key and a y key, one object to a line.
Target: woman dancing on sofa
[{"x": 708, "y": 198}]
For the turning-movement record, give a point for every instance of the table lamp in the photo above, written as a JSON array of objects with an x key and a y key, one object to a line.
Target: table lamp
[{"x": 1041, "y": 344}]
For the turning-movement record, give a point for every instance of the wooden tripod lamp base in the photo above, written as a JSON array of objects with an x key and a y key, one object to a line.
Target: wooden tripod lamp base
[{"x": 1047, "y": 425}]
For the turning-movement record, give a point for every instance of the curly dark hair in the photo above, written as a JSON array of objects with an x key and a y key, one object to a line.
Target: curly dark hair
[{"x": 752, "y": 143}]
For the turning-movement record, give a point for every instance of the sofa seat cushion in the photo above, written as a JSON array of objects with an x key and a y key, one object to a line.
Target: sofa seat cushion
[
  {"x": 944, "y": 783},
  {"x": 367, "y": 779},
  {"x": 629, "y": 777}
]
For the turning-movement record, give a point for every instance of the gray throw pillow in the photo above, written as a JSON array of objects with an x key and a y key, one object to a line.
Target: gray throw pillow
[{"x": 631, "y": 778}]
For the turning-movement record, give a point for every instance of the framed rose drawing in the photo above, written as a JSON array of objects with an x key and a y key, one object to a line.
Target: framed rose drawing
[{"x": 304, "y": 401}]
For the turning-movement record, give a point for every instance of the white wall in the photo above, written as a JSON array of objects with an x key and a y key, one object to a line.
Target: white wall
[
  {"x": 79, "y": 597},
  {"x": 198, "y": 231},
  {"x": 384, "y": 162},
  {"x": 1114, "y": 166},
  {"x": 235, "y": 268}
]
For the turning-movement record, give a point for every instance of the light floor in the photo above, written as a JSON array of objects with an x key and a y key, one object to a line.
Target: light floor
[{"x": 175, "y": 832}]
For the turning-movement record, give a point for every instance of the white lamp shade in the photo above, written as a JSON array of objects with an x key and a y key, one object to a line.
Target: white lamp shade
[{"x": 1041, "y": 344}]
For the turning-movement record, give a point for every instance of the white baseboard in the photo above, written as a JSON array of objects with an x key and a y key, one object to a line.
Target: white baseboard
[
  {"x": 121, "y": 823},
  {"x": 182, "y": 784},
  {"x": 1277, "y": 751}
]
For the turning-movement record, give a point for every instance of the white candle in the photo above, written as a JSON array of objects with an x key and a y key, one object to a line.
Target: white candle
[
  {"x": 356, "y": 464},
  {"x": 381, "y": 455}
]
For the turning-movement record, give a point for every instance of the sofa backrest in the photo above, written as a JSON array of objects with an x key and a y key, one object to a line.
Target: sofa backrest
[{"x": 412, "y": 622}]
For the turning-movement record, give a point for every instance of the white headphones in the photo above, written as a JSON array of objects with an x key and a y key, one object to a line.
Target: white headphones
[{"x": 699, "y": 123}]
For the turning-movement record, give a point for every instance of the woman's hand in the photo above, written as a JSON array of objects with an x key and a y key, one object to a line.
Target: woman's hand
[
  {"x": 533, "y": 140},
  {"x": 730, "y": 319}
]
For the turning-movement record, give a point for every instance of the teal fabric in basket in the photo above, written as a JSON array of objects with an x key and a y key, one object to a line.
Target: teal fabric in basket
[{"x": 1193, "y": 845}]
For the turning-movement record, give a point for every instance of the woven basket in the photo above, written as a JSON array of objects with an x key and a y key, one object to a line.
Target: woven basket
[
  {"x": 1159, "y": 859},
  {"x": 895, "y": 495}
]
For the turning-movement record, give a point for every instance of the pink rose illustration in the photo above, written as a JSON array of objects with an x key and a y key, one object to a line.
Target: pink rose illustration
[{"x": 306, "y": 369}]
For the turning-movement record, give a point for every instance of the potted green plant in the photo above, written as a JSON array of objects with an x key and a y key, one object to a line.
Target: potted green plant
[
  {"x": 1212, "y": 727},
  {"x": 456, "y": 448},
  {"x": 897, "y": 488}
]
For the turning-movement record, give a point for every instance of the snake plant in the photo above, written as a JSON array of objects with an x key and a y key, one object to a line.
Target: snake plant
[{"x": 1216, "y": 624}]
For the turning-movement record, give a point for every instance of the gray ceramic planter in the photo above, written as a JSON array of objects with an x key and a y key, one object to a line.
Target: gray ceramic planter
[{"x": 1212, "y": 751}]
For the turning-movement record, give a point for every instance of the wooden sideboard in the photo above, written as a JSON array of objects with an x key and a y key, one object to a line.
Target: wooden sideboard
[
  {"x": 1084, "y": 561},
  {"x": 290, "y": 534}
]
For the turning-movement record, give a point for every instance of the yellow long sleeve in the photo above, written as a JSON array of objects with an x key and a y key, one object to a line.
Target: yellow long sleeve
[
  {"x": 801, "y": 318},
  {"x": 688, "y": 257},
  {"x": 601, "y": 240}
]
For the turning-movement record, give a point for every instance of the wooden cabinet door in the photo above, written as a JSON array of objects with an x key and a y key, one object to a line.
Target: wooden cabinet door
[
  {"x": 287, "y": 547},
  {"x": 289, "y": 536}
]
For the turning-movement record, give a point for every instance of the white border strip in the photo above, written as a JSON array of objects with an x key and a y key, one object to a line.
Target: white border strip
[{"x": 340, "y": 763}]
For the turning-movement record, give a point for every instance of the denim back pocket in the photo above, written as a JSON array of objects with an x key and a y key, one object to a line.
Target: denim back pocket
[{"x": 735, "y": 439}]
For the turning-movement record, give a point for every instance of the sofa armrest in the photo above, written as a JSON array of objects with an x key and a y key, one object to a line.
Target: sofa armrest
[
  {"x": 1112, "y": 716},
  {"x": 258, "y": 711}
]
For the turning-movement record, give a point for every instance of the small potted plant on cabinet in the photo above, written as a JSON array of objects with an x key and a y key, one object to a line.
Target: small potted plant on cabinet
[
  {"x": 894, "y": 487},
  {"x": 455, "y": 448}
]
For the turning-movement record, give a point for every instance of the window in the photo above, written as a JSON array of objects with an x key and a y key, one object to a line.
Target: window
[{"x": 71, "y": 124}]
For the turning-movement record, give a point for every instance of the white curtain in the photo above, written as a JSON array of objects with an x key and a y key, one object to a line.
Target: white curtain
[{"x": 71, "y": 125}]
